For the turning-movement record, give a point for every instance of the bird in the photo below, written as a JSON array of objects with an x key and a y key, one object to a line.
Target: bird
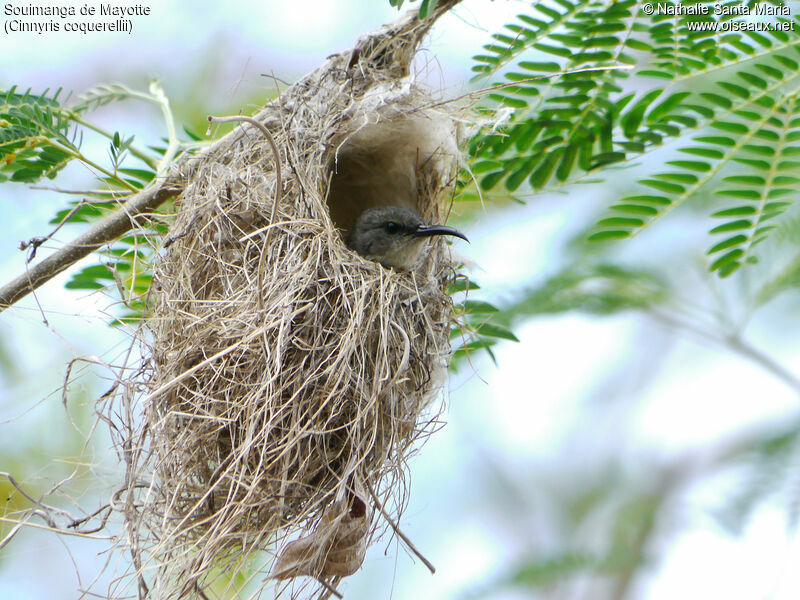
[{"x": 393, "y": 236}]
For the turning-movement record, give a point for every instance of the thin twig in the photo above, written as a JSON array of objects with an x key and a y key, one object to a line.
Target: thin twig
[
  {"x": 475, "y": 94},
  {"x": 329, "y": 588},
  {"x": 101, "y": 196},
  {"x": 48, "y": 527},
  {"x": 21, "y": 490},
  {"x": 37, "y": 241},
  {"x": 746, "y": 350},
  {"x": 397, "y": 530},
  {"x": 78, "y": 522},
  {"x": 732, "y": 343}
]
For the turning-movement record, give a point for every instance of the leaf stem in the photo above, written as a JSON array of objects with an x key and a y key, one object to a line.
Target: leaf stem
[
  {"x": 173, "y": 145},
  {"x": 735, "y": 344},
  {"x": 75, "y": 152},
  {"x": 148, "y": 160}
]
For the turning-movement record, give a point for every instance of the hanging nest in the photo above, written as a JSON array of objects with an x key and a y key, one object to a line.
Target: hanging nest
[{"x": 291, "y": 378}]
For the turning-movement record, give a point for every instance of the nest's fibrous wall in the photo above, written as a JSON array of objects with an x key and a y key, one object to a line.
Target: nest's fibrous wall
[{"x": 285, "y": 365}]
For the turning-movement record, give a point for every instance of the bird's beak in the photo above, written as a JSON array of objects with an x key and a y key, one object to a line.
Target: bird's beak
[{"x": 431, "y": 230}]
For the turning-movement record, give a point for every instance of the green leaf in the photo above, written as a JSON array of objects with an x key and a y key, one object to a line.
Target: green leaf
[
  {"x": 518, "y": 176},
  {"x": 494, "y": 330},
  {"x": 462, "y": 284},
  {"x": 770, "y": 71},
  {"x": 656, "y": 73},
  {"x": 660, "y": 200},
  {"x": 491, "y": 180},
  {"x": 734, "y": 89},
  {"x": 739, "y": 211},
  {"x": 691, "y": 165},
  {"x": 36, "y": 136},
  {"x": 140, "y": 174},
  {"x": 704, "y": 152},
  {"x": 568, "y": 157},
  {"x": 544, "y": 172},
  {"x": 726, "y": 260},
  {"x": 555, "y": 50},
  {"x": 539, "y": 67},
  {"x": 667, "y": 106},
  {"x": 606, "y": 158},
  {"x": 687, "y": 178},
  {"x": 638, "y": 45},
  {"x": 740, "y": 193},
  {"x": 601, "y": 236},
  {"x": 632, "y": 119},
  {"x": 746, "y": 179},
  {"x": 717, "y": 140},
  {"x": 463, "y": 352},
  {"x": 730, "y": 127},
  {"x": 753, "y": 80},
  {"x": 786, "y": 62},
  {"x": 730, "y": 242},
  {"x": 663, "y": 186},
  {"x": 639, "y": 209},
  {"x": 620, "y": 222},
  {"x": 426, "y": 8},
  {"x": 717, "y": 100},
  {"x": 477, "y": 307},
  {"x": 732, "y": 226}
]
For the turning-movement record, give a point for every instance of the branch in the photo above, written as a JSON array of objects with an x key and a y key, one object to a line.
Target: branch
[
  {"x": 104, "y": 232},
  {"x": 732, "y": 343}
]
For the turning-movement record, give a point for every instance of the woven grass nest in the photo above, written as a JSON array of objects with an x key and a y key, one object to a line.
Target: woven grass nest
[{"x": 292, "y": 378}]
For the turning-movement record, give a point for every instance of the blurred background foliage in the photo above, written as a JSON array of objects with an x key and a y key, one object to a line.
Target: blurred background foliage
[{"x": 637, "y": 238}]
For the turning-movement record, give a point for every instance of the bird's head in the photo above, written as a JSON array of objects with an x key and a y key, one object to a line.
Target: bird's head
[{"x": 393, "y": 235}]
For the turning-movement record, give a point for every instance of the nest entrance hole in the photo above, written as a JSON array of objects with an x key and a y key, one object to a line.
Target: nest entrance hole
[{"x": 389, "y": 162}]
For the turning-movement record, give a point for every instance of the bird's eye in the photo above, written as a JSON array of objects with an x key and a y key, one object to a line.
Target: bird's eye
[{"x": 392, "y": 227}]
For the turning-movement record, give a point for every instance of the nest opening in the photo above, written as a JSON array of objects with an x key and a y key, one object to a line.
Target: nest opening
[{"x": 388, "y": 162}]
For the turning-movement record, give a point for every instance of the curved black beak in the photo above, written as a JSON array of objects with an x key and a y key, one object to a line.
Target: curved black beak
[{"x": 430, "y": 230}]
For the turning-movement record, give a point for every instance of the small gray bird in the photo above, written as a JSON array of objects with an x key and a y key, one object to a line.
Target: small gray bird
[{"x": 393, "y": 235}]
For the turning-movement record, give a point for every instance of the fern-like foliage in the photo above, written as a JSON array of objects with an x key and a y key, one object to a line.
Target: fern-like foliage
[
  {"x": 769, "y": 466},
  {"x": 106, "y": 93},
  {"x": 562, "y": 122},
  {"x": 37, "y": 136},
  {"x": 477, "y": 327},
  {"x": 126, "y": 265},
  {"x": 783, "y": 265},
  {"x": 750, "y": 138},
  {"x": 601, "y": 289},
  {"x": 125, "y": 268},
  {"x": 737, "y": 127}
]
